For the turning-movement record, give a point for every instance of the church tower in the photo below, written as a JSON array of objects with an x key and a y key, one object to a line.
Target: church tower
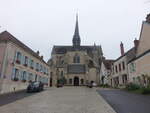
[{"x": 76, "y": 37}]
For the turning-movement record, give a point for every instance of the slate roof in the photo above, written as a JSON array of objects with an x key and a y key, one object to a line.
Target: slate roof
[
  {"x": 130, "y": 54},
  {"x": 108, "y": 63},
  {"x": 7, "y": 37}
]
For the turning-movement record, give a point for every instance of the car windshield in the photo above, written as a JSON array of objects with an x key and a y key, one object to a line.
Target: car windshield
[{"x": 36, "y": 83}]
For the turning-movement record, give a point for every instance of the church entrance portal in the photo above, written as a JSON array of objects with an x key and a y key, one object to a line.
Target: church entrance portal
[{"x": 76, "y": 81}]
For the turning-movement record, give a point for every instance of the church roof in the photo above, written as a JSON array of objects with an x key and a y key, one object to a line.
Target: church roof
[{"x": 64, "y": 49}]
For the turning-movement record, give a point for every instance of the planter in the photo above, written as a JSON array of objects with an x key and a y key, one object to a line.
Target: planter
[
  {"x": 15, "y": 79},
  {"x": 25, "y": 65},
  {"x": 31, "y": 67},
  {"x": 23, "y": 80},
  {"x": 17, "y": 61}
]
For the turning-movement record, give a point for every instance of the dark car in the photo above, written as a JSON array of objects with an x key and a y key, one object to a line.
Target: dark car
[{"x": 35, "y": 87}]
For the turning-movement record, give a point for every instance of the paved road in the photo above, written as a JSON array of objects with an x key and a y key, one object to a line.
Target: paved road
[
  {"x": 60, "y": 100},
  {"x": 125, "y": 102}
]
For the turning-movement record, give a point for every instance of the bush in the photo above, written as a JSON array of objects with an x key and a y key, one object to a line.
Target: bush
[
  {"x": 132, "y": 87},
  {"x": 145, "y": 90}
]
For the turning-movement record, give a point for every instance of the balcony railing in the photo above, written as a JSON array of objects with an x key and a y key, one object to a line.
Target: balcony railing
[{"x": 25, "y": 65}]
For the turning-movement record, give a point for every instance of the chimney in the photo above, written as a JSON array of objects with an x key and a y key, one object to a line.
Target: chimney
[
  {"x": 148, "y": 18},
  {"x": 121, "y": 48},
  {"x": 136, "y": 42},
  {"x": 38, "y": 52}
]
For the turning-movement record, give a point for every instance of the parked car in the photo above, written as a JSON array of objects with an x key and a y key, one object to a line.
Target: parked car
[
  {"x": 35, "y": 87},
  {"x": 94, "y": 84},
  {"x": 59, "y": 85}
]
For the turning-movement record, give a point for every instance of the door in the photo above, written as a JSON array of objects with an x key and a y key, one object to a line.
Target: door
[{"x": 76, "y": 81}]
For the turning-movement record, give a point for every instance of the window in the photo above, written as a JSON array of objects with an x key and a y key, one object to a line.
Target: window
[
  {"x": 44, "y": 70},
  {"x": 62, "y": 73},
  {"x": 24, "y": 76},
  {"x": 26, "y": 61},
  {"x": 116, "y": 69},
  {"x": 41, "y": 68},
  {"x": 70, "y": 81},
  {"x": 132, "y": 67},
  {"x": 30, "y": 77},
  {"x": 37, "y": 66},
  {"x": 123, "y": 65},
  {"x": 82, "y": 81},
  {"x": 18, "y": 57},
  {"x": 15, "y": 74},
  {"x": 62, "y": 62},
  {"x": 119, "y": 67},
  {"x": 76, "y": 59},
  {"x": 31, "y": 64}
]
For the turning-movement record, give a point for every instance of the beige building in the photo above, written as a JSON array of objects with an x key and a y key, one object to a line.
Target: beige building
[
  {"x": 119, "y": 74},
  {"x": 75, "y": 65},
  {"x": 19, "y": 65},
  {"x": 139, "y": 67}
]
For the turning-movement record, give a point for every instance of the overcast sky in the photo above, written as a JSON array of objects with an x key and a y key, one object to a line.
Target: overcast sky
[{"x": 40, "y": 24}]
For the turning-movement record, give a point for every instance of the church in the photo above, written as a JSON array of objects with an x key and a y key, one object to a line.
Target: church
[{"x": 76, "y": 64}]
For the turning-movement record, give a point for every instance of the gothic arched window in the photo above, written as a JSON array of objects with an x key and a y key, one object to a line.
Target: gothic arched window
[{"x": 76, "y": 59}]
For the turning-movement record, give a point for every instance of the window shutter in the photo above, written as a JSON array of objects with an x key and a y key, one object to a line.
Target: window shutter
[
  {"x": 13, "y": 73},
  {"x": 27, "y": 75},
  {"x": 33, "y": 64},
  {"x": 19, "y": 74},
  {"x": 22, "y": 59},
  {"x": 15, "y": 57},
  {"x": 29, "y": 62}
]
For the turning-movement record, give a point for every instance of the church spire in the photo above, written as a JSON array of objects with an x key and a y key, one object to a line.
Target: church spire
[
  {"x": 76, "y": 27},
  {"x": 76, "y": 37}
]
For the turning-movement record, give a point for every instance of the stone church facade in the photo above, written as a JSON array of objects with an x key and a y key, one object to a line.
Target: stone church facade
[{"x": 76, "y": 64}]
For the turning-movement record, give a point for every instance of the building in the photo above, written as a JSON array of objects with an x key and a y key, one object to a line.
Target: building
[
  {"x": 105, "y": 71},
  {"x": 119, "y": 75},
  {"x": 19, "y": 65},
  {"x": 139, "y": 67},
  {"x": 76, "y": 64}
]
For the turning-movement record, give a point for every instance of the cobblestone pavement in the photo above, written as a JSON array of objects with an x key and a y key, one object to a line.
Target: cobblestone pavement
[
  {"x": 60, "y": 100},
  {"x": 125, "y": 102}
]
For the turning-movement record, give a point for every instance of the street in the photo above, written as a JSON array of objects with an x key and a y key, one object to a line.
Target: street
[
  {"x": 58, "y": 100},
  {"x": 125, "y": 102}
]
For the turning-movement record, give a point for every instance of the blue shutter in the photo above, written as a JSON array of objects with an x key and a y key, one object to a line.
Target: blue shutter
[
  {"x": 33, "y": 64},
  {"x": 13, "y": 73},
  {"x": 27, "y": 74},
  {"x": 15, "y": 57},
  {"x": 29, "y": 62},
  {"x": 22, "y": 59},
  {"x": 19, "y": 76}
]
